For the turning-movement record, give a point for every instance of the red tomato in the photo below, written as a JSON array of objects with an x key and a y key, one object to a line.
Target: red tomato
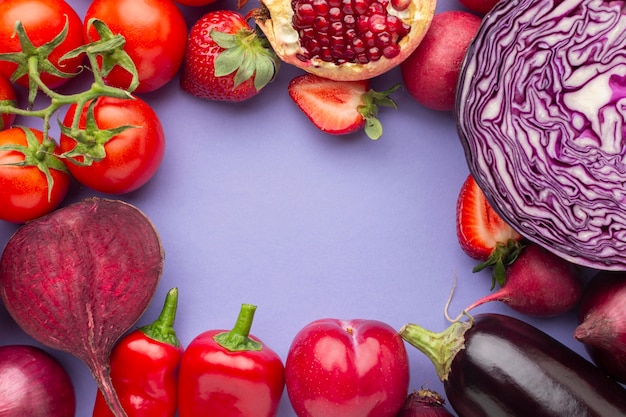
[
  {"x": 24, "y": 189},
  {"x": 156, "y": 38},
  {"x": 43, "y": 20},
  {"x": 347, "y": 368},
  {"x": 7, "y": 95},
  {"x": 132, "y": 156}
]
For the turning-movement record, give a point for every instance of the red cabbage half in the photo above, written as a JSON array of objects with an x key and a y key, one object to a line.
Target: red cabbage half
[{"x": 541, "y": 111}]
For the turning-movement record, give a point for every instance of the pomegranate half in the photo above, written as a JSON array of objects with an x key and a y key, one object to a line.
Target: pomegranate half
[{"x": 345, "y": 39}]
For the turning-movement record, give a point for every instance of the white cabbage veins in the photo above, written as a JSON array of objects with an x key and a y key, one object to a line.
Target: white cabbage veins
[{"x": 541, "y": 111}]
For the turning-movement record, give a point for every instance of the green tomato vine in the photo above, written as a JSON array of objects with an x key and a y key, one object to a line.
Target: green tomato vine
[{"x": 103, "y": 54}]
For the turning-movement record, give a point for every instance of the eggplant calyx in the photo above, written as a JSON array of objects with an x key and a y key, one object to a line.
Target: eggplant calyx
[{"x": 441, "y": 348}]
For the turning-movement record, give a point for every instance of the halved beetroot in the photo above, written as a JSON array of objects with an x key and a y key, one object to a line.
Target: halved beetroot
[{"x": 77, "y": 279}]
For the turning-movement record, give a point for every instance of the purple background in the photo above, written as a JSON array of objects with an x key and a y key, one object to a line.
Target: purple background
[{"x": 255, "y": 205}]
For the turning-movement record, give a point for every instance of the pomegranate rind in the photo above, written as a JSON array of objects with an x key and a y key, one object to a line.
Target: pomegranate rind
[{"x": 275, "y": 17}]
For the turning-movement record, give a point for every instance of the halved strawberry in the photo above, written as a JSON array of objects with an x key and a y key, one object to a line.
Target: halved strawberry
[
  {"x": 340, "y": 107},
  {"x": 226, "y": 59},
  {"x": 482, "y": 233}
]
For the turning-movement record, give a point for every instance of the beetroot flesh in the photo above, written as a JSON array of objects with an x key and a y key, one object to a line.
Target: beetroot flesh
[
  {"x": 538, "y": 283},
  {"x": 77, "y": 279},
  {"x": 602, "y": 318}
]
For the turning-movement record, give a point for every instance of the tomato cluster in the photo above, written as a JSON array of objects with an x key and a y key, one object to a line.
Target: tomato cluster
[{"x": 111, "y": 140}]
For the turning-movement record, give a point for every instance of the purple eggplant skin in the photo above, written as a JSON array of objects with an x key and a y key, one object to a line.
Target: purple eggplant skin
[{"x": 497, "y": 365}]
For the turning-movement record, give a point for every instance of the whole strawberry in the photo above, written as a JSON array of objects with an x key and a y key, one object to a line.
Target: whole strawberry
[{"x": 226, "y": 59}]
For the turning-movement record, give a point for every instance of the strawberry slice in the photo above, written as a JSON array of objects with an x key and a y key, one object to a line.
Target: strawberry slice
[
  {"x": 340, "y": 107},
  {"x": 483, "y": 234}
]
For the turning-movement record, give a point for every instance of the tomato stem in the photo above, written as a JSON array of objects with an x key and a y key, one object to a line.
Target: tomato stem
[{"x": 238, "y": 338}]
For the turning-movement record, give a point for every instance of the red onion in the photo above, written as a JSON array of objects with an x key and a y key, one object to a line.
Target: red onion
[
  {"x": 34, "y": 384},
  {"x": 602, "y": 318},
  {"x": 424, "y": 403}
]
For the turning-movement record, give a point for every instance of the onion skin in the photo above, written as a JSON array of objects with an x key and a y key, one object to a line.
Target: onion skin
[
  {"x": 602, "y": 318},
  {"x": 34, "y": 384},
  {"x": 77, "y": 279},
  {"x": 539, "y": 114}
]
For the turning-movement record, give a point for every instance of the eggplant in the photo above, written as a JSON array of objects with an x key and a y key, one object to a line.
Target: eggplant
[{"x": 497, "y": 365}]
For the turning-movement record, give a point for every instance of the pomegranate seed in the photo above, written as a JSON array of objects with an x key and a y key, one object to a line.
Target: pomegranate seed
[
  {"x": 391, "y": 51},
  {"x": 346, "y": 7},
  {"x": 326, "y": 55},
  {"x": 334, "y": 14},
  {"x": 400, "y": 5},
  {"x": 338, "y": 31},
  {"x": 376, "y": 8},
  {"x": 377, "y": 23},
  {"x": 336, "y": 28},
  {"x": 383, "y": 39},
  {"x": 360, "y": 6},
  {"x": 321, "y": 24},
  {"x": 374, "y": 54},
  {"x": 359, "y": 45},
  {"x": 304, "y": 14},
  {"x": 321, "y": 7}
]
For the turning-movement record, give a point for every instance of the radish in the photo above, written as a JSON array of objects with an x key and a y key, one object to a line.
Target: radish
[
  {"x": 538, "y": 283},
  {"x": 77, "y": 279},
  {"x": 431, "y": 72},
  {"x": 602, "y": 317}
]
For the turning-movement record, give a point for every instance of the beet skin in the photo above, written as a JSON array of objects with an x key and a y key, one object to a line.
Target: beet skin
[{"x": 77, "y": 279}]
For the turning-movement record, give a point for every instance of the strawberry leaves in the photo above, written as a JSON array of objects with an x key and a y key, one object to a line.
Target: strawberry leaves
[
  {"x": 372, "y": 100},
  {"x": 247, "y": 55}
]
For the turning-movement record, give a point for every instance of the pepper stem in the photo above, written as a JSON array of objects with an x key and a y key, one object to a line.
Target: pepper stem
[
  {"x": 440, "y": 348},
  {"x": 162, "y": 329},
  {"x": 238, "y": 338}
]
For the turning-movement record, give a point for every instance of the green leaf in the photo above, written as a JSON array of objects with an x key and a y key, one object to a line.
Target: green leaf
[
  {"x": 90, "y": 141},
  {"x": 39, "y": 155},
  {"x": 248, "y": 55},
  {"x": 229, "y": 61},
  {"x": 34, "y": 60}
]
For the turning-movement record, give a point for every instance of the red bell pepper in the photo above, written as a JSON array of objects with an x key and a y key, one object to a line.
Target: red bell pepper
[
  {"x": 347, "y": 368},
  {"x": 230, "y": 374},
  {"x": 144, "y": 367}
]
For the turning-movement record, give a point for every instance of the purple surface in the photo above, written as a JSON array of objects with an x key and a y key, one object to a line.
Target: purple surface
[{"x": 255, "y": 205}]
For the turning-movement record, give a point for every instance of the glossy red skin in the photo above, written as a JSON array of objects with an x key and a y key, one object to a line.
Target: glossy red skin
[
  {"x": 216, "y": 382},
  {"x": 601, "y": 317},
  {"x": 481, "y": 7},
  {"x": 43, "y": 20},
  {"x": 145, "y": 376},
  {"x": 156, "y": 38},
  {"x": 347, "y": 368},
  {"x": 133, "y": 157},
  {"x": 24, "y": 189},
  {"x": 198, "y": 73},
  {"x": 431, "y": 72},
  {"x": 7, "y": 94}
]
